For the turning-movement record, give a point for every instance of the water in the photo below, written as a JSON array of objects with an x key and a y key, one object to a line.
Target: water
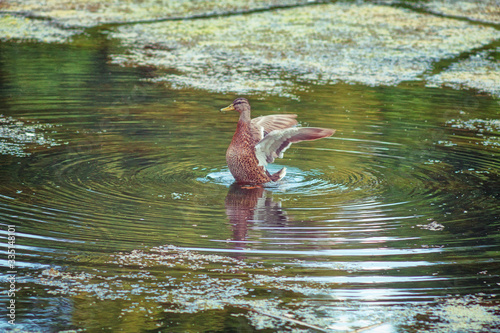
[{"x": 126, "y": 217}]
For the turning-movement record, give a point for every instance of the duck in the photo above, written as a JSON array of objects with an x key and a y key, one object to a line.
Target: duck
[{"x": 259, "y": 141}]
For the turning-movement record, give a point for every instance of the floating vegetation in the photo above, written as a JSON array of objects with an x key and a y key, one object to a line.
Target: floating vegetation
[
  {"x": 17, "y": 138},
  {"x": 459, "y": 314},
  {"x": 282, "y": 51},
  {"x": 168, "y": 279},
  {"x": 446, "y": 143},
  {"x": 89, "y": 13},
  {"x": 477, "y": 125},
  {"x": 432, "y": 226},
  {"x": 14, "y": 27},
  {"x": 477, "y": 10},
  {"x": 480, "y": 71},
  {"x": 488, "y": 130}
]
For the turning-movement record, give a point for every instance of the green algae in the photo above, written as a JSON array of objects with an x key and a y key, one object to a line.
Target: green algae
[
  {"x": 456, "y": 314},
  {"x": 19, "y": 138},
  {"x": 279, "y": 52},
  {"x": 432, "y": 226},
  {"x": 85, "y": 13},
  {"x": 277, "y": 47},
  {"x": 480, "y": 71},
  {"x": 174, "y": 281},
  {"x": 465, "y": 315},
  {"x": 487, "y": 11},
  {"x": 490, "y": 126},
  {"x": 486, "y": 130},
  {"x": 13, "y": 27},
  {"x": 80, "y": 13}
]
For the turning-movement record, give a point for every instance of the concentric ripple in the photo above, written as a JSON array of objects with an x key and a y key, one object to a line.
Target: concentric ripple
[{"x": 308, "y": 183}]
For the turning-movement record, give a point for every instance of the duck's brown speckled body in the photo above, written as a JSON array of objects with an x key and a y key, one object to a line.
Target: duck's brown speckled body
[{"x": 259, "y": 141}]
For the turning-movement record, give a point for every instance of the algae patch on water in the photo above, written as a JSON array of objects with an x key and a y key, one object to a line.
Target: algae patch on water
[
  {"x": 480, "y": 71},
  {"x": 478, "y": 125},
  {"x": 280, "y": 51},
  {"x": 487, "y": 130},
  {"x": 90, "y": 13},
  {"x": 456, "y": 314},
  {"x": 276, "y": 47},
  {"x": 14, "y": 27},
  {"x": 20, "y": 138},
  {"x": 476, "y": 10},
  {"x": 169, "y": 281}
]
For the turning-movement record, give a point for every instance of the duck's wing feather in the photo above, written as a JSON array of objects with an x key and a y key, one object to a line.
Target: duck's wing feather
[
  {"x": 262, "y": 126},
  {"x": 275, "y": 143}
]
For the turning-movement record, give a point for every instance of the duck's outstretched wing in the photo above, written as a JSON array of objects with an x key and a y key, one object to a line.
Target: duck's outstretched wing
[
  {"x": 276, "y": 142},
  {"x": 262, "y": 126}
]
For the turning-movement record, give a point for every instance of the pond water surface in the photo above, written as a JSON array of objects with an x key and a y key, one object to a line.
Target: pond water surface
[{"x": 127, "y": 220}]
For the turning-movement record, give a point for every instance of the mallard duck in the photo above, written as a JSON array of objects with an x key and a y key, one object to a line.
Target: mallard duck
[{"x": 259, "y": 141}]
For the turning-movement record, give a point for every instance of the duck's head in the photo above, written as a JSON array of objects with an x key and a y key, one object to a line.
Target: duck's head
[{"x": 240, "y": 104}]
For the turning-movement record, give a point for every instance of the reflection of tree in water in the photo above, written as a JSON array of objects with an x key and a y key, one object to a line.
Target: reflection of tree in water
[{"x": 247, "y": 204}]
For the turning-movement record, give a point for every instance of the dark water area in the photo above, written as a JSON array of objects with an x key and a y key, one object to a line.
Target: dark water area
[{"x": 398, "y": 209}]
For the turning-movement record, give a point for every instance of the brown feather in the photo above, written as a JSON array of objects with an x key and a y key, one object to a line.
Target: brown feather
[
  {"x": 311, "y": 133},
  {"x": 259, "y": 141},
  {"x": 263, "y": 125},
  {"x": 276, "y": 142}
]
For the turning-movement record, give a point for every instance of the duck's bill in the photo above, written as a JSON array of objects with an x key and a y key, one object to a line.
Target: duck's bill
[{"x": 228, "y": 108}]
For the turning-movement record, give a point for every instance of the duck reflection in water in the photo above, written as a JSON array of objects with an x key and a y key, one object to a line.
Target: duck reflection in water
[{"x": 250, "y": 204}]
